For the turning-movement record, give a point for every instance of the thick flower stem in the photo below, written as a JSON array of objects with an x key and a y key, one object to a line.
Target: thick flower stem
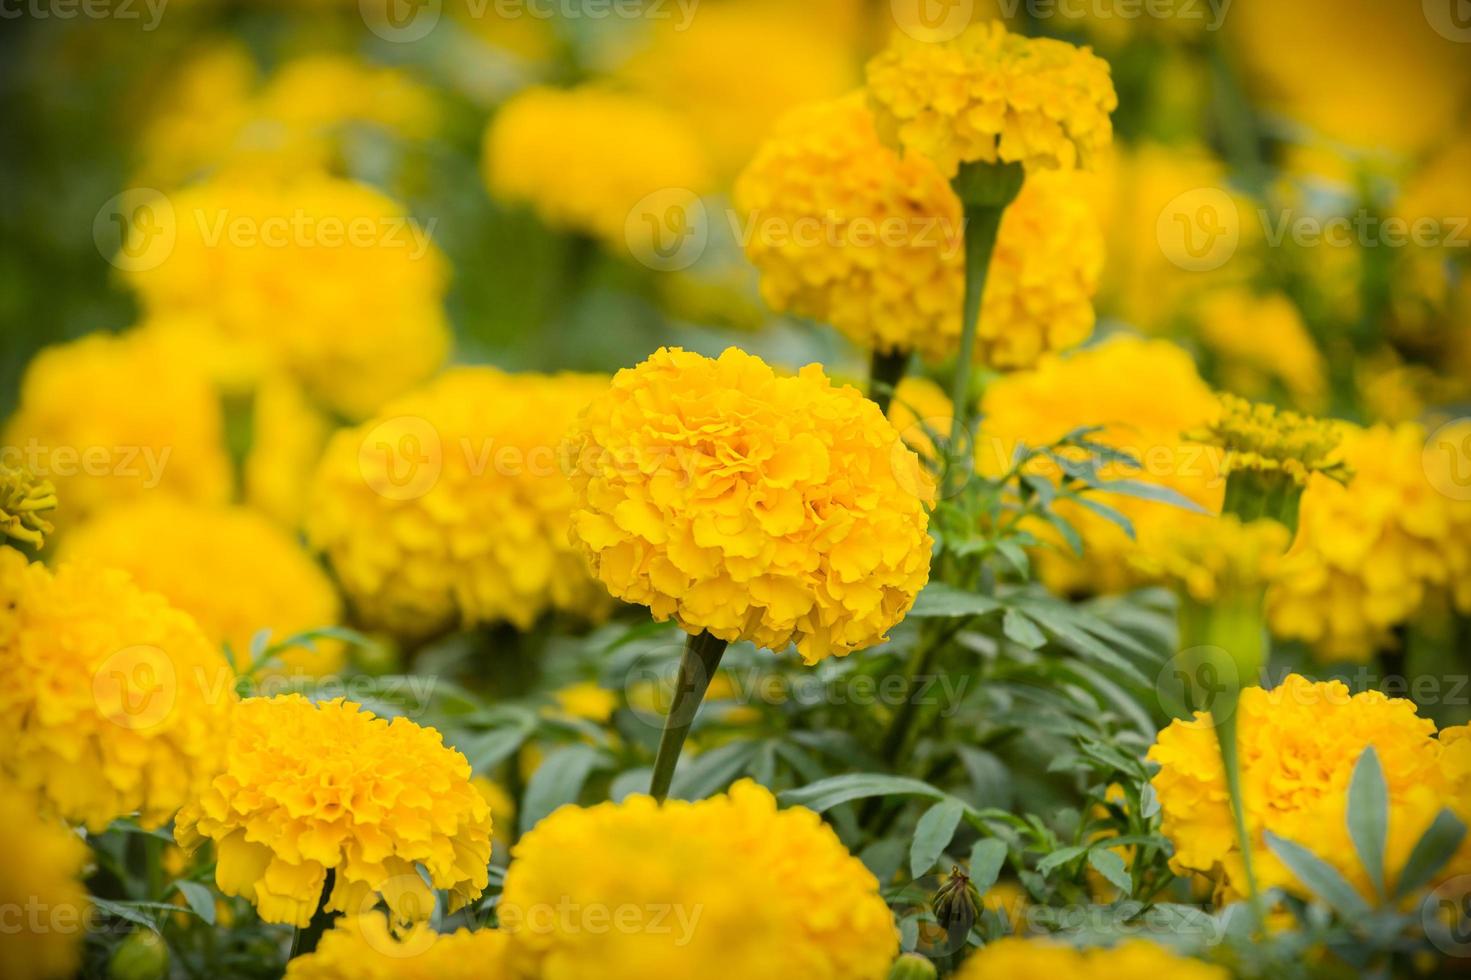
[
  {"x": 885, "y": 372},
  {"x": 1231, "y": 760},
  {"x": 697, "y": 667},
  {"x": 305, "y": 941}
]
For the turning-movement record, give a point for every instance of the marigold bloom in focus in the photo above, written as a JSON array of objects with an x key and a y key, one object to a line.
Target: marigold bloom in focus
[
  {"x": 230, "y": 568},
  {"x": 1299, "y": 745},
  {"x": 745, "y": 890},
  {"x": 311, "y": 788},
  {"x": 323, "y": 278},
  {"x": 114, "y": 702},
  {"x": 991, "y": 96},
  {"x": 774, "y": 509},
  {"x": 585, "y": 159},
  {"x": 1041, "y": 959},
  {"x": 847, "y": 232},
  {"x": 40, "y": 870},
  {"x": 452, "y": 507},
  {"x": 365, "y": 947}
]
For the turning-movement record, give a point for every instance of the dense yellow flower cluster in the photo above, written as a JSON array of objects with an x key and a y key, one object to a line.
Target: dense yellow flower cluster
[
  {"x": 230, "y": 568},
  {"x": 323, "y": 278},
  {"x": 726, "y": 887},
  {"x": 452, "y": 506},
  {"x": 774, "y": 509},
  {"x": 991, "y": 96},
  {"x": 311, "y": 788},
  {"x": 1040, "y": 959},
  {"x": 364, "y": 947},
  {"x": 1299, "y": 744},
  {"x": 1369, "y": 553},
  {"x": 113, "y": 702},
  {"x": 1143, "y": 394},
  {"x": 44, "y": 901},
  {"x": 108, "y": 418},
  {"x": 586, "y": 159},
  {"x": 1261, "y": 439},
  {"x": 24, "y": 502}
]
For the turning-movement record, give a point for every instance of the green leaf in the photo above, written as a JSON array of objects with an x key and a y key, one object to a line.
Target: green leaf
[
  {"x": 1368, "y": 815},
  {"x": 125, "y": 912},
  {"x": 712, "y": 771},
  {"x": 1319, "y": 877},
  {"x": 1058, "y": 858},
  {"x": 1153, "y": 492},
  {"x": 557, "y": 782},
  {"x": 489, "y": 750},
  {"x": 1020, "y": 629},
  {"x": 941, "y": 601},
  {"x": 200, "y": 899},
  {"x": 986, "y": 861},
  {"x": 1111, "y": 865},
  {"x": 1438, "y": 845},
  {"x": 1107, "y": 513},
  {"x": 933, "y": 834},
  {"x": 1015, "y": 556},
  {"x": 825, "y": 794}
]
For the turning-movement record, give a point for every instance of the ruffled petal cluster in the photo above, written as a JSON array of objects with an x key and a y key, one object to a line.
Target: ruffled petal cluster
[
  {"x": 312, "y": 788},
  {"x": 585, "y": 159},
  {"x": 325, "y": 279},
  {"x": 114, "y": 702},
  {"x": 1299, "y": 745},
  {"x": 726, "y": 887},
  {"x": 991, "y": 96},
  {"x": 1041, "y": 959},
  {"x": 772, "y": 509},
  {"x": 1368, "y": 554},
  {"x": 45, "y": 904},
  {"x": 452, "y": 506},
  {"x": 367, "y": 947},
  {"x": 25, "y": 500},
  {"x": 232, "y": 569},
  {"x": 1259, "y": 438},
  {"x": 109, "y": 418}
]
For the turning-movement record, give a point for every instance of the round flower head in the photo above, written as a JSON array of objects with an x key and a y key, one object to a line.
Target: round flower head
[
  {"x": 585, "y": 159},
  {"x": 24, "y": 502},
  {"x": 366, "y": 947},
  {"x": 740, "y": 889},
  {"x": 114, "y": 702},
  {"x": 40, "y": 869},
  {"x": 1040, "y": 959},
  {"x": 232, "y": 569},
  {"x": 452, "y": 506},
  {"x": 991, "y": 96},
  {"x": 108, "y": 418},
  {"x": 1299, "y": 746},
  {"x": 311, "y": 788},
  {"x": 326, "y": 279},
  {"x": 846, "y": 231},
  {"x": 772, "y": 509}
]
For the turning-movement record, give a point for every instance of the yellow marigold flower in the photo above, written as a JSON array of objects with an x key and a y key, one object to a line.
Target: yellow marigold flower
[
  {"x": 847, "y": 232},
  {"x": 1369, "y": 553},
  {"x": 741, "y": 889},
  {"x": 1261, "y": 341},
  {"x": 41, "y": 891},
  {"x": 366, "y": 948},
  {"x": 452, "y": 507},
  {"x": 114, "y": 702},
  {"x": 1041, "y": 959},
  {"x": 1213, "y": 558},
  {"x": 751, "y": 506},
  {"x": 288, "y": 436},
  {"x": 585, "y": 159},
  {"x": 734, "y": 69},
  {"x": 187, "y": 552},
  {"x": 1143, "y": 394},
  {"x": 83, "y": 424},
  {"x": 278, "y": 268},
  {"x": 1259, "y": 438},
  {"x": 991, "y": 96},
  {"x": 1299, "y": 744},
  {"x": 311, "y": 788},
  {"x": 588, "y": 701},
  {"x": 24, "y": 502}
]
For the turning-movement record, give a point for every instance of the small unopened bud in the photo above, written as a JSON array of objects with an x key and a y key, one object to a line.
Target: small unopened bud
[
  {"x": 912, "y": 966},
  {"x": 957, "y": 906},
  {"x": 142, "y": 956}
]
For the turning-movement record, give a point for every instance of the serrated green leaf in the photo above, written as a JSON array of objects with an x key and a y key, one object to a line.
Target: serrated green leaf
[
  {"x": 933, "y": 834},
  {"x": 1368, "y": 815},
  {"x": 1020, "y": 629},
  {"x": 1058, "y": 858},
  {"x": 126, "y": 912},
  {"x": 987, "y": 858},
  {"x": 1153, "y": 492},
  {"x": 1431, "y": 853},
  {"x": 1111, "y": 865},
  {"x": 1320, "y": 878}
]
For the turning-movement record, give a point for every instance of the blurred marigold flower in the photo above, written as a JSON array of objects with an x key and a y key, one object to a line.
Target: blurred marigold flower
[
  {"x": 750, "y": 506},
  {"x": 1299, "y": 745},
  {"x": 741, "y": 889},
  {"x": 288, "y": 435},
  {"x": 990, "y": 96},
  {"x": 1215, "y": 559},
  {"x": 452, "y": 508},
  {"x": 312, "y": 788},
  {"x": 366, "y": 947},
  {"x": 40, "y": 870},
  {"x": 114, "y": 703},
  {"x": 1042, "y": 959},
  {"x": 1261, "y": 341},
  {"x": 230, "y": 568}
]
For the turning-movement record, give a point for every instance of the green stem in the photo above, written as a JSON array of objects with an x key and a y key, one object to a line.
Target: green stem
[
  {"x": 1230, "y": 758},
  {"x": 697, "y": 667},
  {"x": 885, "y": 372},
  {"x": 304, "y": 943}
]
